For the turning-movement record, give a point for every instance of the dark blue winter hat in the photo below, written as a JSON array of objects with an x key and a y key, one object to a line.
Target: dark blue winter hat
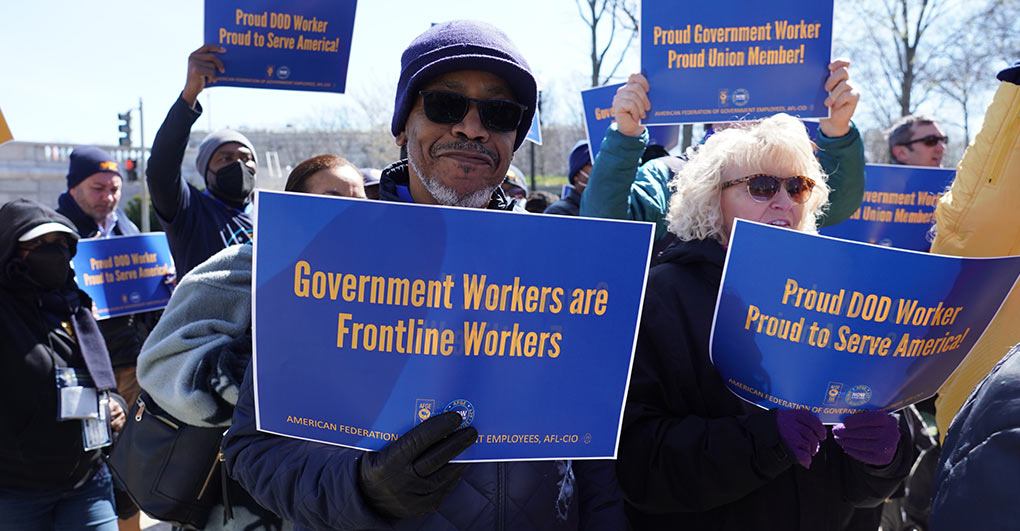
[
  {"x": 579, "y": 156},
  {"x": 463, "y": 45},
  {"x": 89, "y": 160}
]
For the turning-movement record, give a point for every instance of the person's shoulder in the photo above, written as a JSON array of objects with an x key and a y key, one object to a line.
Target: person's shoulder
[
  {"x": 229, "y": 268},
  {"x": 995, "y": 404}
]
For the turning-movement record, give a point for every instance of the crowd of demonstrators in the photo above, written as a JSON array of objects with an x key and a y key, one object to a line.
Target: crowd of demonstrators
[
  {"x": 200, "y": 223},
  {"x": 916, "y": 140},
  {"x": 49, "y": 477},
  {"x": 92, "y": 204},
  {"x": 578, "y": 170},
  {"x": 978, "y": 216},
  {"x": 692, "y": 454},
  {"x": 461, "y": 111}
]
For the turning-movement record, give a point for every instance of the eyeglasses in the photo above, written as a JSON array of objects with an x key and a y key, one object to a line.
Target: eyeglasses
[
  {"x": 930, "y": 140},
  {"x": 764, "y": 187},
  {"x": 451, "y": 108}
]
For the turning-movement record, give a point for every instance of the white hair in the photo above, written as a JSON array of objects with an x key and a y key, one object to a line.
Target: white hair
[
  {"x": 695, "y": 211},
  {"x": 444, "y": 195}
]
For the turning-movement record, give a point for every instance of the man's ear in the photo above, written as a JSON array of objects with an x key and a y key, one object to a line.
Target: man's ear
[
  {"x": 401, "y": 139},
  {"x": 898, "y": 152}
]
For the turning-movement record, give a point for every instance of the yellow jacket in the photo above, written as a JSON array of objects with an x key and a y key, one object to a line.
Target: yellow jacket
[{"x": 980, "y": 216}]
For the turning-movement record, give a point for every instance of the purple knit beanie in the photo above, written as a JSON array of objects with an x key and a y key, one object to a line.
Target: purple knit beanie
[{"x": 463, "y": 45}]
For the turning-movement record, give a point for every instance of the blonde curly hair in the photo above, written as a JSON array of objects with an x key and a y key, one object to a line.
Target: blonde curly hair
[{"x": 695, "y": 211}]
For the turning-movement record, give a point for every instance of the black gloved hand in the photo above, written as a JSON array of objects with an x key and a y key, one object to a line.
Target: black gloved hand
[{"x": 413, "y": 474}]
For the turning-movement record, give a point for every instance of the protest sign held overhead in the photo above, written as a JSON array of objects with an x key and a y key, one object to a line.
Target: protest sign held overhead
[
  {"x": 854, "y": 327},
  {"x": 355, "y": 348},
  {"x": 733, "y": 60},
  {"x": 292, "y": 44},
  {"x": 898, "y": 209},
  {"x": 598, "y": 116},
  {"x": 125, "y": 274}
]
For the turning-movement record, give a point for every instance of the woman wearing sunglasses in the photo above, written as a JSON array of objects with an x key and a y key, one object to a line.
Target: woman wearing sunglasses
[{"x": 692, "y": 454}]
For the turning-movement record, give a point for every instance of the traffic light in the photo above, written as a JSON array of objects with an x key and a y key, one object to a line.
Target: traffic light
[
  {"x": 131, "y": 170},
  {"x": 124, "y": 128}
]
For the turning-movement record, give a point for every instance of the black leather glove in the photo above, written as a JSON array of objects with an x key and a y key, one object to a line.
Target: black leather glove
[{"x": 413, "y": 474}]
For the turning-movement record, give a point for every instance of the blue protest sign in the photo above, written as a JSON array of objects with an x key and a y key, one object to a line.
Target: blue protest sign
[
  {"x": 836, "y": 327},
  {"x": 732, "y": 60},
  {"x": 598, "y": 115},
  {"x": 125, "y": 274},
  {"x": 535, "y": 133},
  {"x": 361, "y": 334},
  {"x": 898, "y": 209},
  {"x": 282, "y": 44}
]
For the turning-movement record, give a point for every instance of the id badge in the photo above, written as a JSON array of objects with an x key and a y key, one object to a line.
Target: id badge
[
  {"x": 95, "y": 433},
  {"x": 76, "y": 397}
]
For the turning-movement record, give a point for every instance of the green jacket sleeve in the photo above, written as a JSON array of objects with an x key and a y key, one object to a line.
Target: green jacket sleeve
[
  {"x": 620, "y": 188},
  {"x": 842, "y": 159}
]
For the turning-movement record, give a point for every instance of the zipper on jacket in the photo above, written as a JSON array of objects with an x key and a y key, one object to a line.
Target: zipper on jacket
[
  {"x": 500, "y": 496},
  {"x": 208, "y": 478},
  {"x": 141, "y": 411}
]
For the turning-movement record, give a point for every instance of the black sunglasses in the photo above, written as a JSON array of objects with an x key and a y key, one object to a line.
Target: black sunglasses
[
  {"x": 930, "y": 140},
  {"x": 764, "y": 187},
  {"x": 451, "y": 108}
]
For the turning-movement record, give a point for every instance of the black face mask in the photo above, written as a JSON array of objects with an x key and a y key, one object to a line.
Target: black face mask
[
  {"x": 233, "y": 182},
  {"x": 49, "y": 265}
]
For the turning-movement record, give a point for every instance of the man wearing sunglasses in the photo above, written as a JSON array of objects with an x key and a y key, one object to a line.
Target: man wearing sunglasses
[
  {"x": 917, "y": 140},
  {"x": 464, "y": 104}
]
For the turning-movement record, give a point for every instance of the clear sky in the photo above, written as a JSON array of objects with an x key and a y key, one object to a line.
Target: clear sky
[{"x": 71, "y": 65}]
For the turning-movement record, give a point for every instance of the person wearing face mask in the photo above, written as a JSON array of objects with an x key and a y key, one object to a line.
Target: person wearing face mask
[
  {"x": 56, "y": 382},
  {"x": 200, "y": 223},
  {"x": 92, "y": 200},
  {"x": 578, "y": 169}
]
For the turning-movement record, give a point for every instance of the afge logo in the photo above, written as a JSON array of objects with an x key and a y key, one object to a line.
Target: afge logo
[
  {"x": 741, "y": 97},
  {"x": 832, "y": 395},
  {"x": 858, "y": 395},
  {"x": 466, "y": 410},
  {"x": 283, "y": 72},
  {"x": 423, "y": 409}
]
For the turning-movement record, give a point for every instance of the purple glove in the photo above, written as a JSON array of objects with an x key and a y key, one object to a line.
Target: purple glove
[
  {"x": 870, "y": 437},
  {"x": 802, "y": 433}
]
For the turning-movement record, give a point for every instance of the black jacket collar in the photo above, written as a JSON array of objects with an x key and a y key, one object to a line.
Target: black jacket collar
[{"x": 396, "y": 175}]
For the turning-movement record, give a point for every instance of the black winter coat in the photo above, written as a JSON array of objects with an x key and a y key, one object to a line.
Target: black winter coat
[
  {"x": 36, "y": 450},
  {"x": 315, "y": 485},
  {"x": 694, "y": 456}
]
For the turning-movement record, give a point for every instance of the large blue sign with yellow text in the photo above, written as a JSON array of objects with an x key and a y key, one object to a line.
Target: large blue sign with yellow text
[
  {"x": 598, "y": 116},
  {"x": 836, "y": 327},
  {"x": 282, "y": 44},
  {"x": 898, "y": 209},
  {"x": 362, "y": 334},
  {"x": 732, "y": 60},
  {"x": 125, "y": 274}
]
